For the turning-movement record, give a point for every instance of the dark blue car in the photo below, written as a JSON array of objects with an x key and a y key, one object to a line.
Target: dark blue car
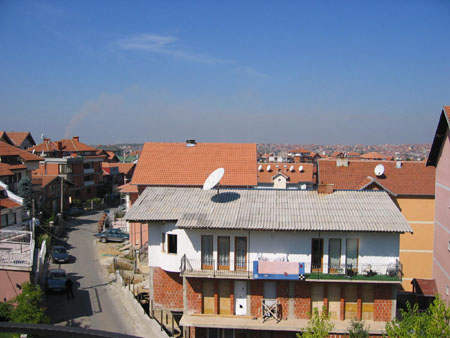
[
  {"x": 59, "y": 254},
  {"x": 113, "y": 235}
]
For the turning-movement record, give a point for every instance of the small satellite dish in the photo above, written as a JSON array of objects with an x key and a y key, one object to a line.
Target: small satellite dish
[
  {"x": 303, "y": 187},
  {"x": 300, "y": 168},
  {"x": 379, "y": 170},
  {"x": 268, "y": 168},
  {"x": 291, "y": 168},
  {"x": 213, "y": 179},
  {"x": 34, "y": 150},
  {"x": 260, "y": 168}
]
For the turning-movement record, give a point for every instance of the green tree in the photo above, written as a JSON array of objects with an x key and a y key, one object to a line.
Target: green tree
[
  {"x": 319, "y": 326},
  {"x": 5, "y": 311},
  {"x": 432, "y": 323},
  {"x": 357, "y": 330},
  {"x": 25, "y": 190},
  {"x": 28, "y": 306}
]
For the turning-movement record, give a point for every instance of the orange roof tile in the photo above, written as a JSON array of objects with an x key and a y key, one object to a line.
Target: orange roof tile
[
  {"x": 18, "y": 137},
  {"x": 8, "y": 203},
  {"x": 5, "y": 170},
  {"x": 413, "y": 178},
  {"x": 6, "y": 149},
  {"x": 295, "y": 176},
  {"x": 67, "y": 145},
  {"x": 181, "y": 165},
  {"x": 128, "y": 188},
  {"x": 124, "y": 168},
  {"x": 373, "y": 156},
  {"x": 43, "y": 180}
]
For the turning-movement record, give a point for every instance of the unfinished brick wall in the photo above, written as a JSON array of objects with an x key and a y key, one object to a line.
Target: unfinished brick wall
[
  {"x": 382, "y": 305},
  {"x": 167, "y": 289},
  {"x": 302, "y": 300},
  {"x": 194, "y": 295},
  {"x": 256, "y": 296},
  {"x": 283, "y": 297}
]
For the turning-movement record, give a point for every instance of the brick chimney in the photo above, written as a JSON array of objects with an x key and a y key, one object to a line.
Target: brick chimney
[
  {"x": 60, "y": 145},
  {"x": 325, "y": 188},
  {"x": 76, "y": 138}
]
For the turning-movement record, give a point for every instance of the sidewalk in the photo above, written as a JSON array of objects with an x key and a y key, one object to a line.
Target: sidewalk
[{"x": 144, "y": 326}]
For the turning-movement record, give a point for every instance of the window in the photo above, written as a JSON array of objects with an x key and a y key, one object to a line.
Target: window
[
  {"x": 220, "y": 333},
  {"x": 4, "y": 220},
  {"x": 171, "y": 244},
  {"x": 334, "y": 255},
  {"x": 224, "y": 252},
  {"x": 241, "y": 253},
  {"x": 163, "y": 242},
  {"x": 207, "y": 252},
  {"x": 351, "y": 255}
]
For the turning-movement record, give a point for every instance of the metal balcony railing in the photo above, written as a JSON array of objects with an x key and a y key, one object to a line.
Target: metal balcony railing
[{"x": 215, "y": 268}]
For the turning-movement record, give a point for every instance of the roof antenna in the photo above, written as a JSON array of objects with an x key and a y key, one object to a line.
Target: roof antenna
[{"x": 213, "y": 179}]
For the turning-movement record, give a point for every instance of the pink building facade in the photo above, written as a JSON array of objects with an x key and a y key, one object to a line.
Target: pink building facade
[{"x": 440, "y": 158}]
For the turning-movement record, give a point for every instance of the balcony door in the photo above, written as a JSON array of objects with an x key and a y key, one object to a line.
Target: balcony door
[
  {"x": 351, "y": 255},
  {"x": 317, "y": 254},
  {"x": 334, "y": 255},
  {"x": 241, "y": 253},
  {"x": 223, "y": 248},
  {"x": 207, "y": 252}
]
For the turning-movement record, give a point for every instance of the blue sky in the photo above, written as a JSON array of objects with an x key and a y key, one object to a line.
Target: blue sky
[{"x": 367, "y": 72}]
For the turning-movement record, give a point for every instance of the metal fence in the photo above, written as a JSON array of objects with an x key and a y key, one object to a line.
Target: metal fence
[{"x": 215, "y": 268}]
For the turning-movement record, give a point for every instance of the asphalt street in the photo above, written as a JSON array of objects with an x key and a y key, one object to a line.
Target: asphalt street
[{"x": 96, "y": 304}]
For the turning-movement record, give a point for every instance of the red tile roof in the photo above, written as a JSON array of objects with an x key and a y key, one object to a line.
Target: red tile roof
[
  {"x": 43, "y": 180},
  {"x": 181, "y": 165},
  {"x": 6, "y": 149},
  {"x": 18, "y": 137},
  {"x": 295, "y": 176},
  {"x": 373, "y": 156},
  {"x": 5, "y": 170},
  {"x": 128, "y": 188},
  {"x": 413, "y": 178},
  {"x": 8, "y": 203},
  {"x": 124, "y": 168},
  {"x": 425, "y": 287},
  {"x": 67, "y": 145}
]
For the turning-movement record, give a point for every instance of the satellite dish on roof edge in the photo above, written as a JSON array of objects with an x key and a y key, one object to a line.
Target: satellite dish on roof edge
[
  {"x": 213, "y": 179},
  {"x": 379, "y": 170}
]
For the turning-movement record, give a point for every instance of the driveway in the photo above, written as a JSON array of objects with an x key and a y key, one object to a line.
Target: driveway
[{"x": 97, "y": 304}]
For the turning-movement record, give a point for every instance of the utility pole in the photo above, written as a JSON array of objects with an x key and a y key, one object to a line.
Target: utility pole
[
  {"x": 33, "y": 225},
  {"x": 62, "y": 201}
]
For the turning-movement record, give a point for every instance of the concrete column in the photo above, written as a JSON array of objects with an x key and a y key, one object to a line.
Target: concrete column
[
  {"x": 185, "y": 302},
  {"x": 291, "y": 306}
]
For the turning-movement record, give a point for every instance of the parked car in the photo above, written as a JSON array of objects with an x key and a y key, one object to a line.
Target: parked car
[
  {"x": 56, "y": 280},
  {"x": 113, "y": 235},
  {"x": 59, "y": 254},
  {"x": 74, "y": 211}
]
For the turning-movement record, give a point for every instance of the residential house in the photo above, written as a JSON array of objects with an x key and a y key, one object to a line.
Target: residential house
[
  {"x": 440, "y": 159},
  {"x": 189, "y": 165},
  {"x": 47, "y": 191},
  {"x": 16, "y": 261},
  {"x": 11, "y": 209},
  {"x": 255, "y": 262},
  {"x": 5, "y": 138},
  {"x": 74, "y": 161},
  {"x": 302, "y": 155},
  {"x": 20, "y": 162},
  {"x": 411, "y": 187},
  {"x": 373, "y": 156},
  {"x": 22, "y": 140},
  {"x": 286, "y": 175}
]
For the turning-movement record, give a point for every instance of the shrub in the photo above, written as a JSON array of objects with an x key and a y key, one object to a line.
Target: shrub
[
  {"x": 319, "y": 326},
  {"x": 28, "y": 306},
  {"x": 5, "y": 311},
  {"x": 357, "y": 330}
]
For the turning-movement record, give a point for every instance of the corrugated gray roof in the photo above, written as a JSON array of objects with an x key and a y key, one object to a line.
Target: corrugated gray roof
[{"x": 259, "y": 209}]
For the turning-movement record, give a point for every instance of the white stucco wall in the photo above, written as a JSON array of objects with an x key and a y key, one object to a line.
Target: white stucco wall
[{"x": 374, "y": 248}]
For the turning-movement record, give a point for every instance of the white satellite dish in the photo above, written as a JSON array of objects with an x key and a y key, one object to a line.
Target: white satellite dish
[
  {"x": 291, "y": 168},
  {"x": 300, "y": 168},
  {"x": 34, "y": 150},
  {"x": 379, "y": 170},
  {"x": 213, "y": 179},
  {"x": 260, "y": 168},
  {"x": 268, "y": 167}
]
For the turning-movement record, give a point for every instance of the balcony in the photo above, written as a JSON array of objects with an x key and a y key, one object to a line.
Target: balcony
[
  {"x": 212, "y": 268},
  {"x": 282, "y": 270},
  {"x": 16, "y": 250}
]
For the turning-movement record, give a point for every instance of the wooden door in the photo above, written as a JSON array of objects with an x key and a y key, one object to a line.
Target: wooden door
[
  {"x": 208, "y": 296},
  {"x": 224, "y": 293}
]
